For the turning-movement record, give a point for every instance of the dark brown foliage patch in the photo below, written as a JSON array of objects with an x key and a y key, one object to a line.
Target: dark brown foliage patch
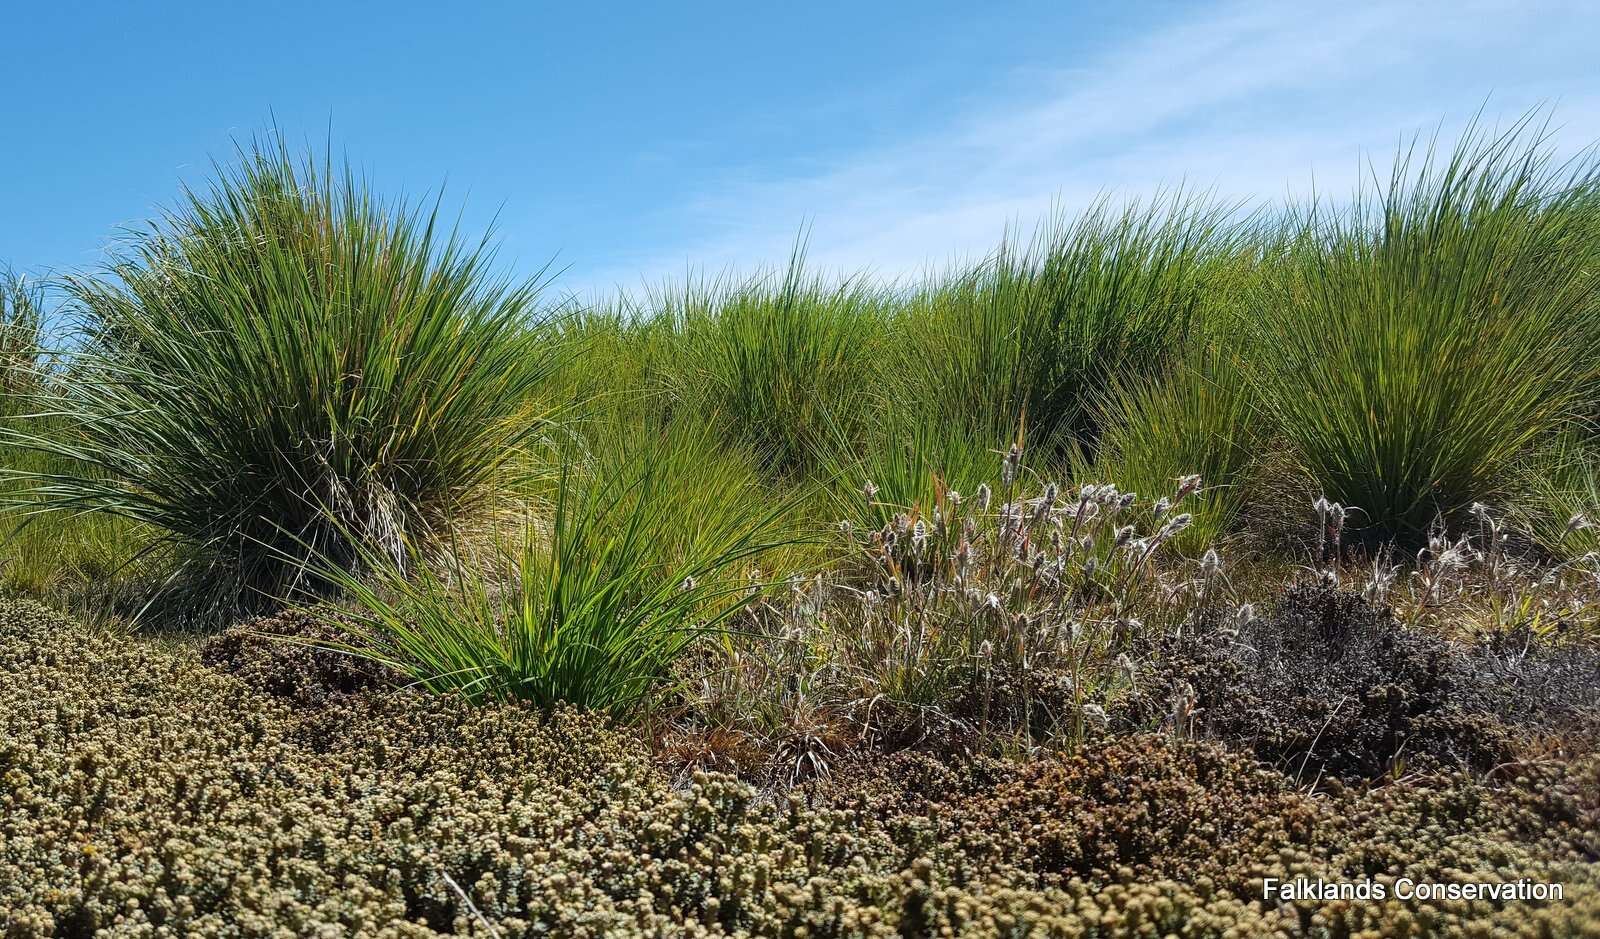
[
  {"x": 1137, "y": 806},
  {"x": 283, "y": 656},
  {"x": 1328, "y": 685}
]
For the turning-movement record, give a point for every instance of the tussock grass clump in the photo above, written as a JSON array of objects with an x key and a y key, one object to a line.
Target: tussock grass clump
[
  {"x": 21, "y": 320},
  {"x": 72, "y": 560},
  {"x": 283, "y": 364},
  {"x": 1200, "y": 417},
  {"x": 1416, "y": 341},
  {"x": 1559, "y": 489},
  {"x": 909, "y": 462},
  {"x": 701, "y": 485},
  {"x": 623, "y": 363},
  {"x": 778, "y": 358},
  {"x": 1040, "y": 329}
]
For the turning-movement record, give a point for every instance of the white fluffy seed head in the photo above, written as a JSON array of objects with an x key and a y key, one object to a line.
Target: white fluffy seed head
[
  {"x": 1095, "y": 716},
  {"x": 1008, "y": 471}
]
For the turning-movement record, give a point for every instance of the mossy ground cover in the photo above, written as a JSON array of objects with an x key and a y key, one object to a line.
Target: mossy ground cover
[{"x": 146, "y": 793}]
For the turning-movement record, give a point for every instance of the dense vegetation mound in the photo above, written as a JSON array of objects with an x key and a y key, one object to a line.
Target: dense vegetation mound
[
  {"x": 145, "y": 794},
  {"x": 291, "y": 655},
  {"x": 1330, "y": 685}
]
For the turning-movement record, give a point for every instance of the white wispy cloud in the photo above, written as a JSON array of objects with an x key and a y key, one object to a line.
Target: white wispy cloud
[{"x": 1253, "y": 101}]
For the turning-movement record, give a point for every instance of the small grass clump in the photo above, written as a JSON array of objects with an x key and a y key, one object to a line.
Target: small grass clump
[
  {"x": 285, "y": 363},
  {"x": 965, "y": 619},
  {"x": 592, "y": 606}
]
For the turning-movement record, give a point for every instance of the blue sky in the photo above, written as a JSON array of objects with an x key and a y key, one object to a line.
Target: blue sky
[{"x": 630, "y": 145}]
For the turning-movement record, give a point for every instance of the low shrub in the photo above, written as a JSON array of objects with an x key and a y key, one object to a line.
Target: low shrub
[
  {"x": 288, "y": 656},
  {"x": 1141, "y": 807},
  {"x": 1328, "y": 685}
]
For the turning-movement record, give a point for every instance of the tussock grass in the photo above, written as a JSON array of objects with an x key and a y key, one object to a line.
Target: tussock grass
[
  {"x": 1560, "y": 495},
  {"x": 624, "y": 364},
  {"x": 800, "y": 528},
  {"x": 81, "y": 561},
  {"x": 1199, "y": 418},
  {"x": 777, "y": 358},
  {"x": 702, "y": 483},
  {"x": 284, "y": 361},
  {"x": 908, "y": 464},
  {"x": 1420, "y": 338},
  {"x": 77, "y": 559},
  {"x": 21, "y": 319},
  {"x": 1042, "y": 328}
]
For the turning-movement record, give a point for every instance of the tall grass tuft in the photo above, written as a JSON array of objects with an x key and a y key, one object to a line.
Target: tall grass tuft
[
  {"x": 695, "y": 476},
  {"x": 21, "y": 320},
  {"x": 624, "y": 364},
  {"x": 605, "y": 591},
  {"x": 284, "y": 363},
  {"x": 908, "y": 464},
  {"x": 1039, "y": 330},
  {"x": 776, "y": 358},
  {"x": 1419, "y": 339},
  {"x": 1199, "y": 418}
]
